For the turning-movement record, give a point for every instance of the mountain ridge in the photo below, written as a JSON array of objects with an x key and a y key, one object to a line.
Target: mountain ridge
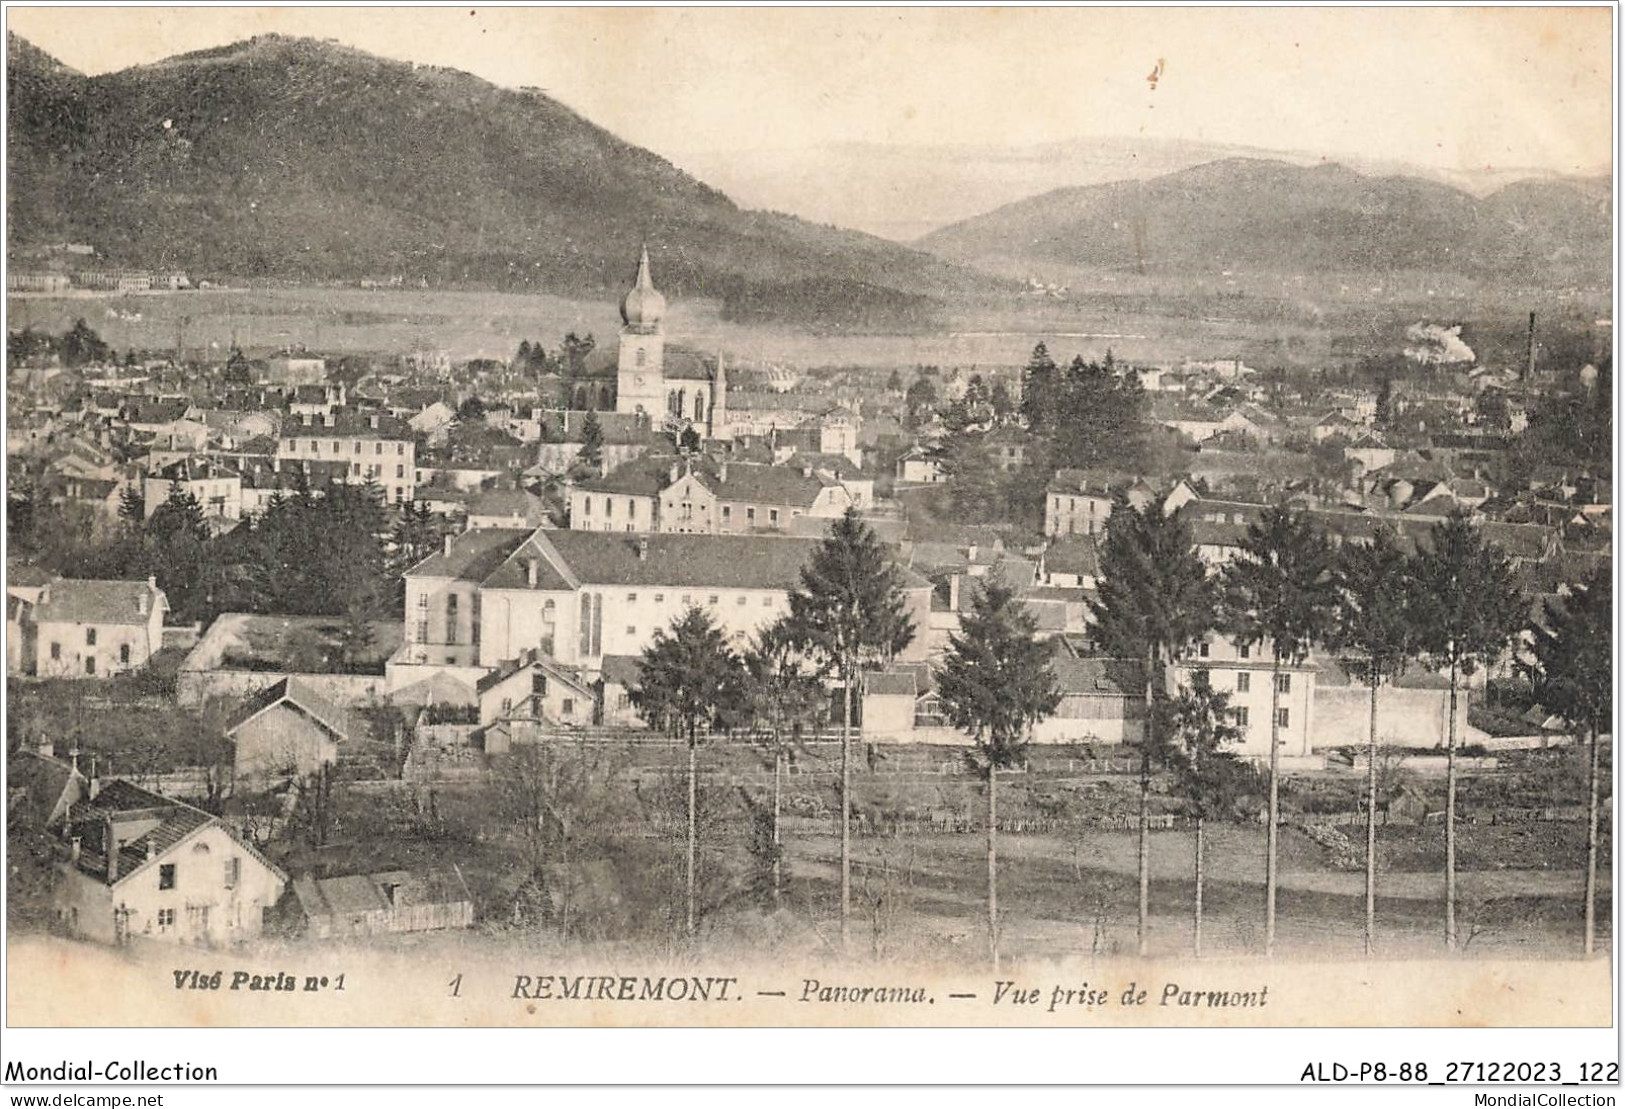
[
  {"x": 1271, "y": 216},
  {"x": 298, "y": 159}
]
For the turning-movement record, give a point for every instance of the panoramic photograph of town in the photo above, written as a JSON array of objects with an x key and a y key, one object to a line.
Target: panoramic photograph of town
[{"x": 617, "y": 496}]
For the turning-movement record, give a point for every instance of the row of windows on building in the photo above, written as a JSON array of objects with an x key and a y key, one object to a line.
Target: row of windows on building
[
  {"x": 315, "y": 446},
  {"x": 1244, "y": 682},
  {"x": 672, "y": 507},
  {"x": 549, "y": 611},
  {"x": 90, "y": 660}
]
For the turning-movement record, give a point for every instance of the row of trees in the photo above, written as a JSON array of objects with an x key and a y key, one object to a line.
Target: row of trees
[
  {"x": 327, "y": 552},
  {"x": 848, "y": 613},
  {"x": 1452, "y": 604}
]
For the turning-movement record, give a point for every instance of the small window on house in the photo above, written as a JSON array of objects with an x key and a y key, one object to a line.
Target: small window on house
[
  {"x": 1283, "y": 717},
  {"x": 1283, "y": 682},
  {"x": 377, "y": 448},
  {"x": 727, "y": 512},
  {"x": 569, "y": 705},
  {"x": 742, "y": 599},
  {"x": 166, "y": 919},
  {"x": 400, "y": 448},
  {"x": 586, "y": 506},
  {"x": 124, "y": 654},
  {"x": 56, "y": 650},
  {"x": 772, "y": 515},
  {"x": 90, "y": 664},
  {"x": 1244, "y": 682},
  {"x": 1241, "y": 717},
  {"x": 313, "y": 447},
  {"x": 687, "y": 600},
  {"x": 1201, "y": 650},
  {"x": 166, "y": 876},
  {"x": 90, "y": 637},
  {"x": 630, "y": 630},
  {"x": 750, "y": 515},
  {"x": 233, "y": 872},
  {"x": 1245, "y": 650},
  {"x": 711, "y": 600},
  {"x": 400, "y": 471},
  {"x": 609, "y": 508},
  {"x": 767, "y": 602},
  {"x": 660, "y": 598},
  {"x": 358, "y": 448},
  {"x": 631, "y": 598}
]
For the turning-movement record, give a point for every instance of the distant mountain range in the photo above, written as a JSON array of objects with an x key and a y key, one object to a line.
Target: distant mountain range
[
  {"x": 299, "y": 160},
  {"x": 1262, "y": 216},
  {"x": 906, "y": 192}
]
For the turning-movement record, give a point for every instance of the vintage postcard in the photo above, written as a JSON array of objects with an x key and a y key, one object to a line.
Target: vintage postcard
[{"x": 792, "y": 518}]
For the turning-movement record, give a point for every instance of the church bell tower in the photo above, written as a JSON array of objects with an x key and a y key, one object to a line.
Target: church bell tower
[{"x": 640, "y": 382}]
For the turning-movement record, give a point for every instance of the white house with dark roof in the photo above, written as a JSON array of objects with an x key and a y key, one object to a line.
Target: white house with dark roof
[
  {"x": 144, "y": 865},
  {"x": 689, "y": 497},
  {"x": 374, "y": 448},
  {"x": 87, "y": 628},
  {"x": 580, "y": 598},
  {"x": 1079, "y": 502},
  {"x": 217, "y": 487}
]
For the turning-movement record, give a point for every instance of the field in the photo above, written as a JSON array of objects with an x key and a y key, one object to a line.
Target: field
[
  {"x": 1138, "y": 319},
  {"x": 1065, "y": 889}
]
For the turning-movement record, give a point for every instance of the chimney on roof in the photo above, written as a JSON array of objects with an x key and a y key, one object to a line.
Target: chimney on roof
[
  {"x": 722, "y": 473},
  {"x": 95, "y": 778},
  {"x": 74, "y": 846},
  {"x": 643, "y": 548},
  {"x": 141, "y": 602},
  {"x": 676, "y": 468},
  {"x": 110, "y": 849},
  {"x": 152, "y": 849},
  {"x": 73, "y": 757},
  {"x": 448, "y": 544},
  {"x": 46, "y": 749},
  {"x": 533, "y": 572}
]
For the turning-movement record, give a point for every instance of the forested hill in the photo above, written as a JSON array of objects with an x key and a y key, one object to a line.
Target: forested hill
[
  {"x": 299, "y": 160},
  {"x": 1262, "y": 216}
]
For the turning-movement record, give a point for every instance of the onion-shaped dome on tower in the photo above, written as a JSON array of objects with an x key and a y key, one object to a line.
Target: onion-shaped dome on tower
[{"x": 643, "y": 307}]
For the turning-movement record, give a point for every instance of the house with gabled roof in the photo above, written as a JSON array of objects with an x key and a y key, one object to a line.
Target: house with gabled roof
[
  {"x": 142, "y": 865},
  {"x": 89, "y": 628},
  {"x": 537, "y": 689},
  {"x": 286, "y": 731},
  {"x": 41, "y": 788}
]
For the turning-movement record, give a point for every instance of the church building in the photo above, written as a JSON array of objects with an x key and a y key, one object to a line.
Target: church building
[{"x": 674, "y": 389}]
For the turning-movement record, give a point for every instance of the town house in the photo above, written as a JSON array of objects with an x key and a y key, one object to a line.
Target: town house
[{"x": 141, "y": 865}]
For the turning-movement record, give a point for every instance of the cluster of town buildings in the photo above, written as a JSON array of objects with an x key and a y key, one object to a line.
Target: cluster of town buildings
[{"x": 553, "y": 577}]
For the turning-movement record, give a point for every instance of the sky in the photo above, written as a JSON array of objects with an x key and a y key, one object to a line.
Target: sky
[{"x": 1462, "y": 88}]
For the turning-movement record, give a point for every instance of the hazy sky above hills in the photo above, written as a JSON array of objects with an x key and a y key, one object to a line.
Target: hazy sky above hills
[{"x": 1464, "y": 88}]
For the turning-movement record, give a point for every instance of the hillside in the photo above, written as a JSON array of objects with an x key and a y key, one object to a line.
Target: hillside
[
  {"x": 296, "y": 160},
  {"x": 1262, "y": 216}
]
